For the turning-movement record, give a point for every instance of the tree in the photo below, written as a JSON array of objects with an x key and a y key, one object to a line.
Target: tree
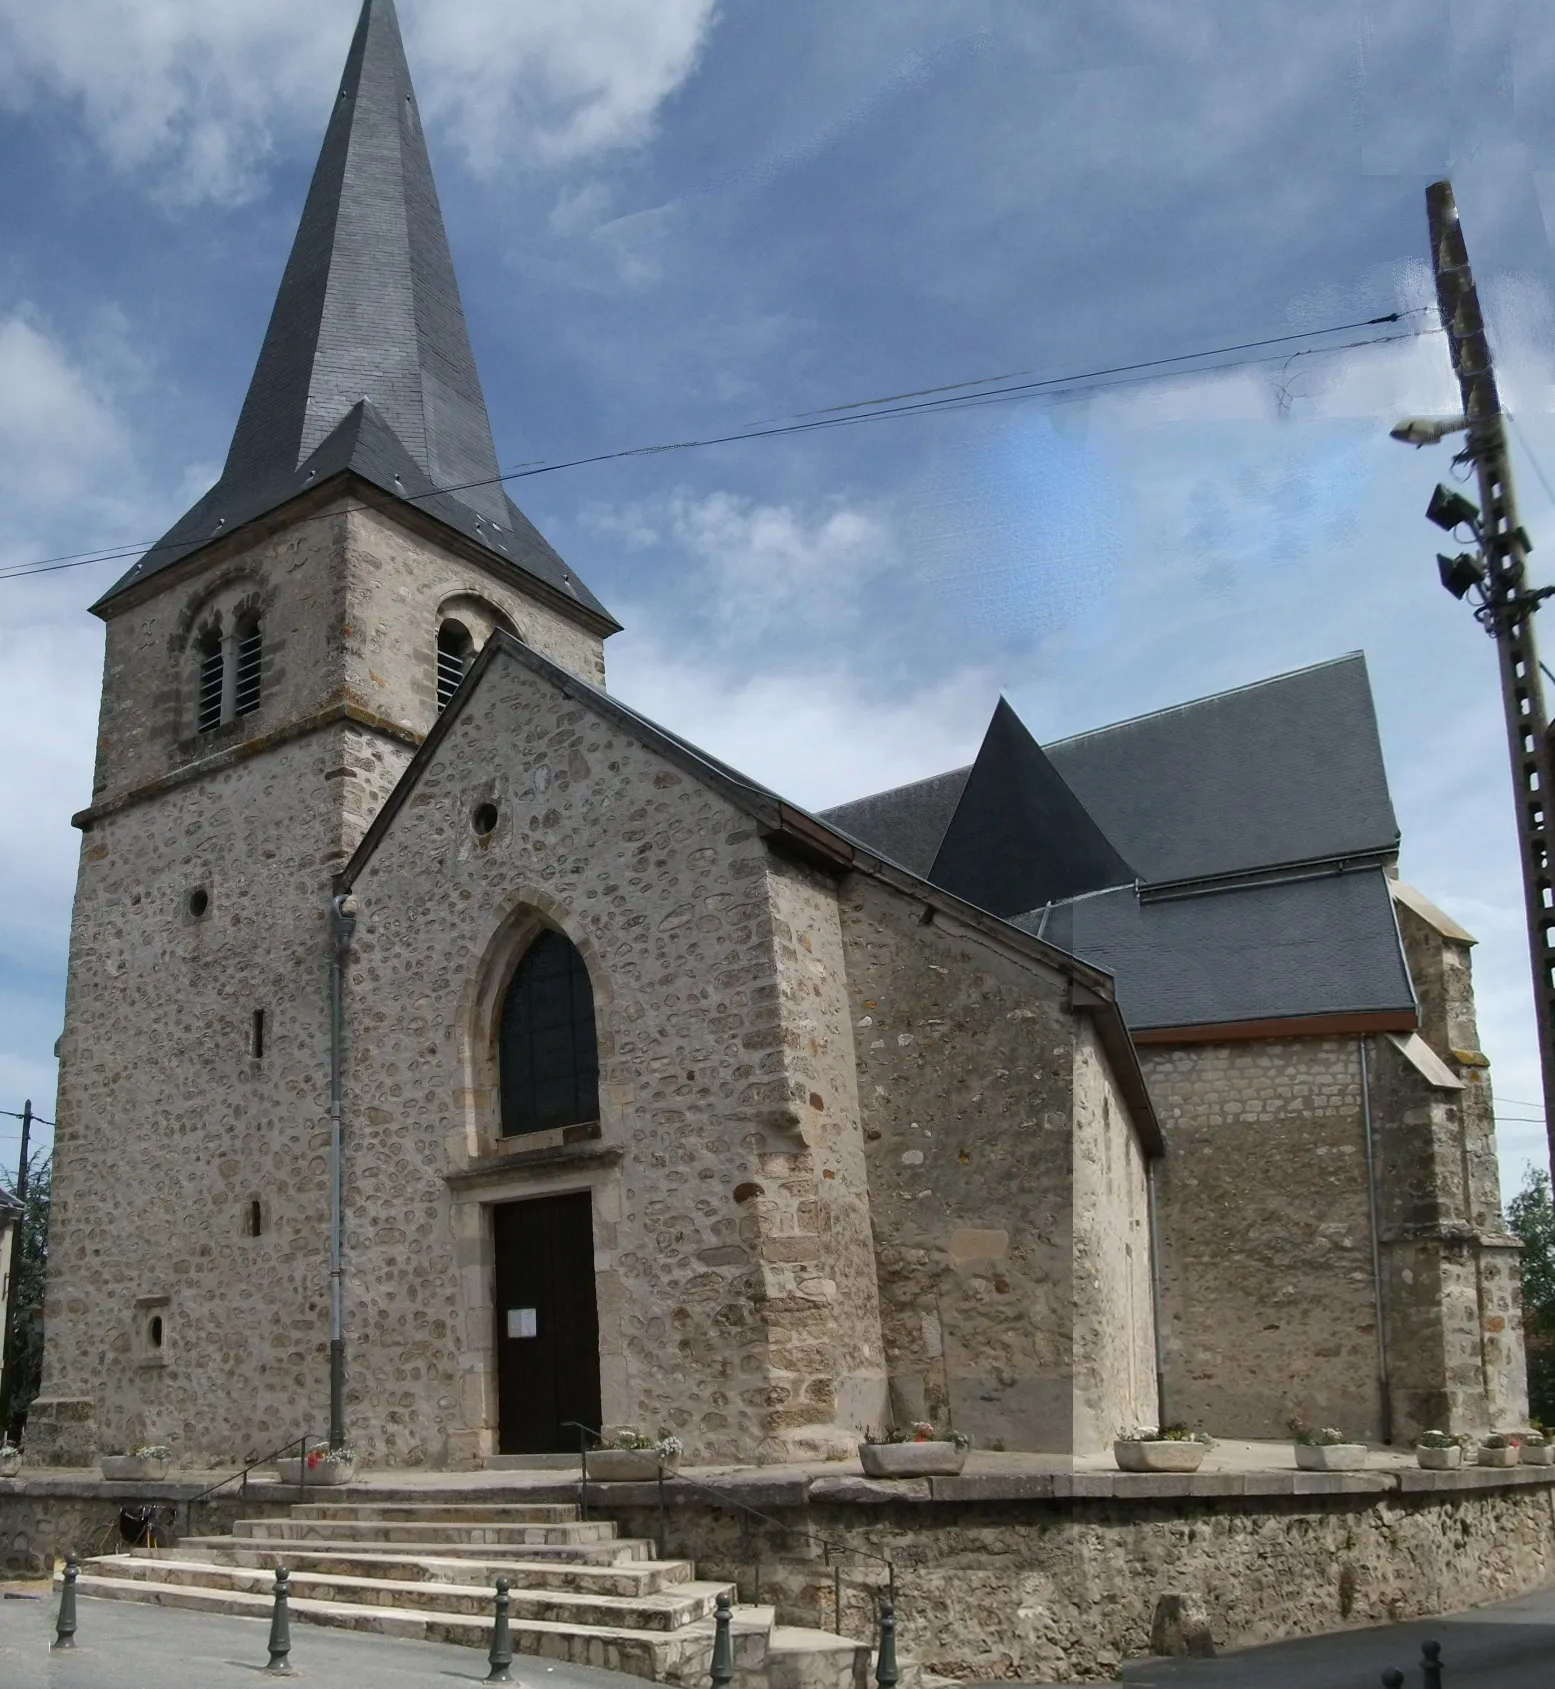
[
  {"x": 30, "y": 1264},
  {"x": 1531, "y": 1217}
]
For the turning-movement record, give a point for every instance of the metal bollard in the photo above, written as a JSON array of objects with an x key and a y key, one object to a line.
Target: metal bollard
[
  {"x": 281, "y": 1628},
  {"x": 723, "y": 1645},
  {"x": 501, "y": 1656},
  {"x": 886, "y": 1673},
  {"x": 1392, "y": 1679},
  {"x": 1431, "y": 1664},
  {"x": 65, "y": 1627}
]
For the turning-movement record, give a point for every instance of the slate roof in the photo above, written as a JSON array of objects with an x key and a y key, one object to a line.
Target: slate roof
[
  {"x": 366, "y": 365},
  {"x": 1285, "y": 950},
  {"x": 1256, "y": 823}
]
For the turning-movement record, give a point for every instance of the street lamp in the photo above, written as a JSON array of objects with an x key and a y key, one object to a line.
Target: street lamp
[{"x": 1427, "y": 430}]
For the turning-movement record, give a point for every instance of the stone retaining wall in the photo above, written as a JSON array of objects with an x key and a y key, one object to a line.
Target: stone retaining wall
[{"x": 1048, "y": 1576}]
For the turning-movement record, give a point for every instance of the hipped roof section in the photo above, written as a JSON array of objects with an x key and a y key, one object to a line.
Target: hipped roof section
[
  {"x": 366, "y": 367},
  {"x": 789, "y": 827}
]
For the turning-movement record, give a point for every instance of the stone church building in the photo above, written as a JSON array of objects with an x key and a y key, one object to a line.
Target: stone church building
[{"x": 1107, "y": 1082}]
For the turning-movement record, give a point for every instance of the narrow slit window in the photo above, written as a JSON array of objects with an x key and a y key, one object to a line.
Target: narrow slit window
[
  {"x": 210, "y": 683},
  {"x": 250, "y": 645},
  {"x": 258, "y": 1044},
  {"x": 455, "y": 651},
  {"x": 256, "y": 1218}
]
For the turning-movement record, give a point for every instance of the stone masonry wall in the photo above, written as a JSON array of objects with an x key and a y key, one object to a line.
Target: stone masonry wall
[
  {"x": 170, "y": 1129},
  {"x": 965, "y": 1054},
  {"x": 1268, "y": 1298},
  {"x": 1114, "y": 1337},
  {"x": 820, "y": 1299},
  {"x": 702, "y": 1163}
]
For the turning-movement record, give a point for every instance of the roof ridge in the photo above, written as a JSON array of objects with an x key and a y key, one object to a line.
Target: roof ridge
[{"x": 1207, "y": 698}]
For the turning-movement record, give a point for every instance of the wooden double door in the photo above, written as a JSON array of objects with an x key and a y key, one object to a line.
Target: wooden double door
[{"x": 547, "y": 1322}]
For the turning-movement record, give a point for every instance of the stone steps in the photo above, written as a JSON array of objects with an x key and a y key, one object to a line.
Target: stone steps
[
  {"x": 475, "y": 1565},
  {"x": 657, "y": 1611},
  {"x": 578, "y": 1592},
  {"x": 395, "y": 1530},
  {"x": 615, "y": 1551}
]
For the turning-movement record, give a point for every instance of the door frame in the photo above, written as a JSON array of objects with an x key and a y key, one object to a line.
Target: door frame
[{"x": 473, "y": 1197}]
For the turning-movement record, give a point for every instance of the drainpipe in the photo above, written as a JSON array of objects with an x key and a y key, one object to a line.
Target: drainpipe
[
  {"x": 1155, "y": 1294},
  {"x": 342, "y": 920},
  {"x": 1384, "y": 1385}
]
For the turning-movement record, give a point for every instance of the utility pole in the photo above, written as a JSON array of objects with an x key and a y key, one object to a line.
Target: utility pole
[
  {"x": 8, "y": 1343},
  {"x": 1505, "y": 604}
]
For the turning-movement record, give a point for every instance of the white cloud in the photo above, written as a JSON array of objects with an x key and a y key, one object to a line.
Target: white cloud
[
  {"x": 200, "y": 93},
  {"x": 816, "y": 736},
  {"x": 767, "y": 564}
]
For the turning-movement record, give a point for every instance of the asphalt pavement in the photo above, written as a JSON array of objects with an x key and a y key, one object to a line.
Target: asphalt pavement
[{"x": 128, "y": 1645}]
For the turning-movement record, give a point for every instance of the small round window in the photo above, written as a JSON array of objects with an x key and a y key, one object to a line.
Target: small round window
[
  {"x": 198, "y": 901},
  {"x": 484, "y": 819}
]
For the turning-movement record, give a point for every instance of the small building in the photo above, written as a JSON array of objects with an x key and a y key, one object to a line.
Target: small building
[{"x": 1095, "y": 1084}]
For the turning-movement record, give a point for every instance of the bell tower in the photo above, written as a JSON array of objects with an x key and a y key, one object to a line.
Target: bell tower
[{"x": 271, "y": 665}]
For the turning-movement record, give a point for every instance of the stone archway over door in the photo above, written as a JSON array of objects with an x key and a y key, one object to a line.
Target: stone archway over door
[{"x": 547, "y": 1319}]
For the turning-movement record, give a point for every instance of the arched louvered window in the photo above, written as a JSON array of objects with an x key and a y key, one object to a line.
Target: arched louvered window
[
  {"x": 208, "y": 705},
  {"x": 248, "y": 647},
  {"x": 548, "y": 1055},
  {"x": 455, "y": 651}
]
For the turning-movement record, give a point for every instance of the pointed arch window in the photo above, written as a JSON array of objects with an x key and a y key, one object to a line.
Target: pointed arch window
[
  {"x": 455, "y": 653},
  {"x": 548, "y": 1052}
]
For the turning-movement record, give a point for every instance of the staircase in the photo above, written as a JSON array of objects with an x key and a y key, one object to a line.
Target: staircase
[{"x": 578, "y": 1591}]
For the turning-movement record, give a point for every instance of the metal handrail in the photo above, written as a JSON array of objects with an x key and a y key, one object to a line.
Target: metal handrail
[
  {"x": 298, "y": 1443},
  {"x": 827, "y": 1544}
]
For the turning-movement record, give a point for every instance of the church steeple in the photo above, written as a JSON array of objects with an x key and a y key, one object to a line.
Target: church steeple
[{"x": 366, "y": 365}]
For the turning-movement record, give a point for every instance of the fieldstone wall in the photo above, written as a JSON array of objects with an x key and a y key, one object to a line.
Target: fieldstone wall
[
  {"x": 966, "y": 1053},
  {"x": 731, "y": 1297},
  {"x": 169, "y": 1319},
  {"x": 1060, "y": 1583},
  {"x": 1268, "y": 1298}
]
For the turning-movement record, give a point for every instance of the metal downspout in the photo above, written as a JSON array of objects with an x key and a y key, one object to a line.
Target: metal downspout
[
  {"x": 342, "y": 910},
  {"x": 1384, "y": 1384},
  {"x": 1155, "y": 1294}
]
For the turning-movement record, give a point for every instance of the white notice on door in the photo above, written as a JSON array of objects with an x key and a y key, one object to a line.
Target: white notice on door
[{"x": 521, "y": 1322}]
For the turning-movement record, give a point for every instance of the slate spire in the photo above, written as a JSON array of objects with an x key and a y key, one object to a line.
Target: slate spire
[
  {"x": 366, "y": 364},
  {"x": 1019, "y": 837}
]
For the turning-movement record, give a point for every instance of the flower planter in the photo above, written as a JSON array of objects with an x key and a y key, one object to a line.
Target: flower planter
[
  {"x": 1330, "y": 1457},
  {"x": 621, "y": 1466},
  {"x": 1499, "y": 1457},
  {"x": 1167, "y": 1455},
  {"x": 1440, "y": 1460},
  {"x": 132, "y": 1468},
  {"x": 911, "y": 1460},
  {"x": 323, "y": 1472},
  {"x": 10, "y": 1465},
  {"x": 1538, "y": 1454}
]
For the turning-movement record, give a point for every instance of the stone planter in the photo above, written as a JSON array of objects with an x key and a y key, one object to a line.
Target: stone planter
[
  {"x": 1499, "y": 1457},
  {"x": 1440, "y": 1460},
  {"x": 132, "y": 1468},
  {"x": 622, "y": 1466},
  {"x": 1538, "y": 1454},
  {"x": 911, "y": 1460},
  {"x": 1164, "y": 1456},
  {"x": 325, "y": 1472},
  {"x": 1330, "y": 1457},
  {"x": 10, "y": 1465}
]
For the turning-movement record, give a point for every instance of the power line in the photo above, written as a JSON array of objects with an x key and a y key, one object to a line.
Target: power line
[{"x": 956, "y": 397}]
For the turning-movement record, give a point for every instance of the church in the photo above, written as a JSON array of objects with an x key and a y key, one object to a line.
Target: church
[{"x": 455, "y": 1058}]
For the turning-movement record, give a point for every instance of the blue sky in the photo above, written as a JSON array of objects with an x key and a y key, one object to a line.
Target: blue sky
[{"x": 677, "y": 217}]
